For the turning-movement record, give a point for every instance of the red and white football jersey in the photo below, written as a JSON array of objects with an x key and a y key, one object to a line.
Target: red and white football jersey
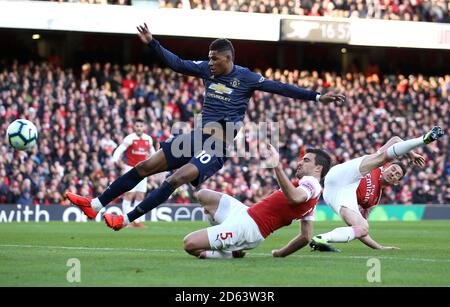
[
  {"x": 136, "y": 148},
  {"x": 275, "y": 211},
  {"x": 369, "y": 189}
]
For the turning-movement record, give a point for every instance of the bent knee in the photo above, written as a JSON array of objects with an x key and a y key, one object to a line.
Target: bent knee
[
  {"x": 203, "y": 195},
  {"x": 365, "y": 229},
  {"x": 179, "y": 179},
  {"x": 361, "y": 230},
  {"x": 189, "y": 244},
  {"x": 144, "y": 168}
]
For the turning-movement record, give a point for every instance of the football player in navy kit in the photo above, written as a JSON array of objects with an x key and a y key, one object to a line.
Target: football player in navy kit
[{"x": 201, "y": 153}]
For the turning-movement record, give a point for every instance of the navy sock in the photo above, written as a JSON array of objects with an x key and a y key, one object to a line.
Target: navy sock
[
  {"x": 156, "y": 198},
  {"x": 121, "y": 185}
]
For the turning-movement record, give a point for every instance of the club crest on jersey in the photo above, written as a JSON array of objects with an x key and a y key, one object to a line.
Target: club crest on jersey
[
  {"x": 220, "y": 88},
  {"x": 235, "y": 82}
]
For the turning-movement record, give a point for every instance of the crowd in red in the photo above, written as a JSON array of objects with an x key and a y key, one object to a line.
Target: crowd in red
[
  {"x": 82, "y": 117},
  {"x": 410, "y": 10}
]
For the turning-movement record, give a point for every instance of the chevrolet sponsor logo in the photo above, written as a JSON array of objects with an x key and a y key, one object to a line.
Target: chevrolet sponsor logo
[{"x": 220, "y": 88}]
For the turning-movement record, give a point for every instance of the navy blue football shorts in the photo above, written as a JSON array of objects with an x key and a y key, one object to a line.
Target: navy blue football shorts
[{"x": 207, "y": 153}]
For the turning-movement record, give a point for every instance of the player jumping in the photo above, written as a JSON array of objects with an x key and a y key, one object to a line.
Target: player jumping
[
  {"x": 201, "y": 153},
  {"x": 353, "y": 187}
]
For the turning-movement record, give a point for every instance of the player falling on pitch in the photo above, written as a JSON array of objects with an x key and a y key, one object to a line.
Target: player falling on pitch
[
  {"x": 353, "y": 187},
  {"x": 237, "y": 227}
]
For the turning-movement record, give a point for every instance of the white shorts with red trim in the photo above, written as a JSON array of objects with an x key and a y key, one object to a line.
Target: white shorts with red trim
[
  {"x": 237, "y": 230},
  {"x": 341, "y": 184}
]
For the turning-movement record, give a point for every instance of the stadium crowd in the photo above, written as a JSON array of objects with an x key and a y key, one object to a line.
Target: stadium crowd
[
  {"x": 117, "y": 2},
  {"x": 82, "y": 117},
  {"x": 411, "y": 10}
]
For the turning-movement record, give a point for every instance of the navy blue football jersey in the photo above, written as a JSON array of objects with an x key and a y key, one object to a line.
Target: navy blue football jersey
[{"x": 226, "y": 97}]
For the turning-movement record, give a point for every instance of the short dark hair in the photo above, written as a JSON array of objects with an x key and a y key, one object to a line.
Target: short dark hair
[
  {"x": 402, "y": 166},
  {"x": 321, "y": 158},
  {"x": 138, "y": 120},
  {"x": 222, "y": 44}
]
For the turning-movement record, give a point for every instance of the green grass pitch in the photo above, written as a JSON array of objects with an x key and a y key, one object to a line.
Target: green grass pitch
[{"x": 37, "y": 254}]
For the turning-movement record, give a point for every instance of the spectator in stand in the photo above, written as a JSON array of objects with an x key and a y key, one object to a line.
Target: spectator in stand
[
  {"x": 80, "y": 117},
  {"x": 409, "y": 10},
  {"x": 4, "y": 186},
  {"x": 25, "y": 198},
  {"x": 41, "y": 199},
  {"x": 118, "y": 2}
]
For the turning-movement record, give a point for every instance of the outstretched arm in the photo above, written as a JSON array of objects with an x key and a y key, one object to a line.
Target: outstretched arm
[
  {"x": 367, "y": 240},
  {"x": 293, "y": 194},
  {"x": 296, "y": 92},
  {"x": 197, "y": 68},
  {"x": 301, "y": 240}
]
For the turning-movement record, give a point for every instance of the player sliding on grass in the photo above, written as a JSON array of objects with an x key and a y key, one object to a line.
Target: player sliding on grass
[
  {"x": 200, "y": 154},
  {"x": 237, "y": 227},
  {"x": 353, "y": 187}
]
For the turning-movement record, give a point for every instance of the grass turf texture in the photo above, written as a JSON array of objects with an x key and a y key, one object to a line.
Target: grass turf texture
[{"x": 36, "y": 254}]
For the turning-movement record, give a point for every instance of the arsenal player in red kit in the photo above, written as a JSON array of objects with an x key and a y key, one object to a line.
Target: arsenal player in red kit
[
  {"x": 353, "y": 187},
  {"x": 237, "y": 227},
  {"x": 137, "y": 146}
]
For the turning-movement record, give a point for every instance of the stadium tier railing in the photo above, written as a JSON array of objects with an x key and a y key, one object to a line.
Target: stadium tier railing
[{"x": 40, "y": 15}]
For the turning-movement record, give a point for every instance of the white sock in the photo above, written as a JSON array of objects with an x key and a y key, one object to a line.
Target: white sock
[
  {"x": 142, "y": 218},
  {"x": 401, "y": 148},
  {"x": 126, "y": 206},
  {"x": 126, "y": 220},
  {"x": 339, "y": 235},
  {"x": 96, "y": 204},
  {"x": 216, "y": 254}
]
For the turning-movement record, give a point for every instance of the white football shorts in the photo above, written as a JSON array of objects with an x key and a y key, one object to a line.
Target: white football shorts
[
  {"x": 237, "y": 230},
  {"x": 341, "y": 184}
]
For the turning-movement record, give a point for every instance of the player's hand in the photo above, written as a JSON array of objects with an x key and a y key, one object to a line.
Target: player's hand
[
  {"x": 416, "y": 159},
  {"x": 273, "y": 156},
  {"x": 276, "y": 253},
  {"x": 331, "y": 97},
  {"x": 144, "y": 34},
  {"x": 389, "y": 247}
]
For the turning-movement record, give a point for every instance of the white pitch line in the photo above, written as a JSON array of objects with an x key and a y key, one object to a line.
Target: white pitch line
[
  {"x": 91, "y": 248},
  {"x": 337, "y": 256}
]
